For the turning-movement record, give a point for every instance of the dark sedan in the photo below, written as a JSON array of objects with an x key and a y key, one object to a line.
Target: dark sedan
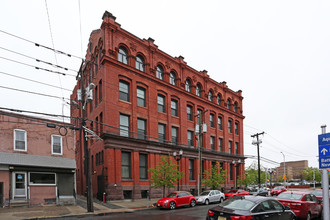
[{"x": 250, "y": 208}]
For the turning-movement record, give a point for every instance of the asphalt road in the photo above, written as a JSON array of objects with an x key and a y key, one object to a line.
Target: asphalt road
[{"x": 184, "y": 213}]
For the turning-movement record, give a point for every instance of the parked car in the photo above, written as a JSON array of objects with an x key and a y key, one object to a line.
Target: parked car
[
  {"x": 209, "y": 196},
  {"x": 260, "y": 192},
  {"x": 250, "y": 208},
  {"x": 177, "y": 199},
  {"x": 319, "y": 194},
  {"x": 277, "y": 190},
  {"x": 303, "y": 204},
  {"x": 236, "y": 192}
]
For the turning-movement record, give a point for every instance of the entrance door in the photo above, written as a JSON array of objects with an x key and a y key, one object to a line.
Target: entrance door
[{"x": 19, "y": 185}]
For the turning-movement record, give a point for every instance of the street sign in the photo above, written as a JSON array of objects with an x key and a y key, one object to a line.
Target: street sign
[{"x": 324, "y": 151}]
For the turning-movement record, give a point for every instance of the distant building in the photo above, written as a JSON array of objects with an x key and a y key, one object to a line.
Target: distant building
[
  {"x": 293, "y": 170},
  {"x": 146, "y": 105},
  {"x": 37, "y": 163}
]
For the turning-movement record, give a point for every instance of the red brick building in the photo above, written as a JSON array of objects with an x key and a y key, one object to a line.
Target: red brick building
[
  {"x": 145, "y": 104},
  {"x": 37, "y": 162}
]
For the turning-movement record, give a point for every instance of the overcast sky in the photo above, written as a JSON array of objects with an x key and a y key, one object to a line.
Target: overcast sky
[{"x": 276, "y": 52}]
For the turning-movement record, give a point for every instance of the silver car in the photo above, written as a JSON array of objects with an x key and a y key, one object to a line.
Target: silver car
[{"x": 209, "y": 196}]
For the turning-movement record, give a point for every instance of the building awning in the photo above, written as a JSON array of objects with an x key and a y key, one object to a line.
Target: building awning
[{"x": 18, "y": 159}]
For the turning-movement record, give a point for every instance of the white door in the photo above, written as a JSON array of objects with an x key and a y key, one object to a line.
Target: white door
[{"x": 19, "y": 185}]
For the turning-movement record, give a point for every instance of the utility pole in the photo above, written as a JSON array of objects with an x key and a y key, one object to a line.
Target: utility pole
[
  {"x": 257, "y": 143},
  {"x": 200, "y": 146},
  {"x": 87, "y": 164}
]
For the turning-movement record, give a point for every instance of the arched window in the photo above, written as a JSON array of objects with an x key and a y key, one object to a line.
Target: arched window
[
  {"x": 235, "y": 107},
  {"x": 140, "y": 63},
  {"x": 219, "y": 99},
  {"x": 198, "y": 90},
  {"x": 228, "y": 103},
  {"x": 172, "y": 78},
  {"x": 122, "y": 55},
  {"x": 188, "y": 85},
  {"x": 210, "y": 96},
  {"x": 160, "y": 72}
]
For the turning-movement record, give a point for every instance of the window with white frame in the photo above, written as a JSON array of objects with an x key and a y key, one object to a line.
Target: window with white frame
[
  {"x": 20, "y": 140},
  {"x": 56, "y": 144}
]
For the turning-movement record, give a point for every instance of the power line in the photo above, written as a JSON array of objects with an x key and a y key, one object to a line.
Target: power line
[
  {"x": 35, "y": 81},
  {"x": 38, "y": 68},
  {"x": 35, "y": 93}
]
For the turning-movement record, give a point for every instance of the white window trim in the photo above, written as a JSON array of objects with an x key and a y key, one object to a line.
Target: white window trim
[
  {"x": 25, "y": 140},
  {"x": 53, "y": 135},
  {"x": 40, "y": 184}
]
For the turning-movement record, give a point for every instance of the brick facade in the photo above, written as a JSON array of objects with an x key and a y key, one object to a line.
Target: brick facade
[{"x": 117, "y": 94}]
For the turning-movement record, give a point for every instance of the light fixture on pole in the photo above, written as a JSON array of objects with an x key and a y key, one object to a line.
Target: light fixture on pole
[
  {"x": 178, "y": 157},
  {"x": 284, "y": 172}
]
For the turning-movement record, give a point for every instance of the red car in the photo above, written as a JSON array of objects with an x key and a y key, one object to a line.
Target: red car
[
  {"x": 177, "y": 199},
  {"x": 277, "y": 190},
  {"x": 319, "y": 194},
  {"x": 236, "y": 192},
  {"x": 303, "y": 204}
]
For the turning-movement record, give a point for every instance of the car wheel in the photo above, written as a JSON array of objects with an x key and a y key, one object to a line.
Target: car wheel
[
  {"x": 172, "y": 205},
  {"x": 308, "y": 216},
  {"x": 221, "y": 200},
  {"x": 207, "y": 202},
  {"x": 192, "y": 203}
]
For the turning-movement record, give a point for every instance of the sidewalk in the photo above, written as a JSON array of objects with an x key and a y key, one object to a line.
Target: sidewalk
[{"x": 53, "y": 211}]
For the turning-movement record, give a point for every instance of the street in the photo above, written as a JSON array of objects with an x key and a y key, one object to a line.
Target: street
[{"x": 184, "y": 213}]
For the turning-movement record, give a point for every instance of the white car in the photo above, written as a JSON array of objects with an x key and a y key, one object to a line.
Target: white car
[{"x": 209, "y": 196}]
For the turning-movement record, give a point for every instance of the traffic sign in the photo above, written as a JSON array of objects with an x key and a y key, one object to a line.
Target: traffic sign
[{"x": 324, "y": 151}]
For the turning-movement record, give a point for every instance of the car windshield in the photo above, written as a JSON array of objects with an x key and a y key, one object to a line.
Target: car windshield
[
  {"x": 233, "y": 191},
  {"x": 290, "y": 196},
  {"x": 240, "y": 204},
  {"x": 172, "y": 195},
  {"x": 205, "y": 193},
  {"x": 277, "y": 188},
  {"x": 318, "y": 193}
]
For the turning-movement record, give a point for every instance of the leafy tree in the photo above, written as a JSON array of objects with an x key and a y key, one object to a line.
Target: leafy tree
[
  {"x": 308, "y": 174},
  {"x": 165, "y": 174},
  {"x": 214, "y": 176}
]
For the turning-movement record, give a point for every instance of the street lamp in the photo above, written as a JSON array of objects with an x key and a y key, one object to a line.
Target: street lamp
[
  {"x": 178, "y": 158},
  {"x": 284, "y": 174},
  {"x": 236, "y": 165}
]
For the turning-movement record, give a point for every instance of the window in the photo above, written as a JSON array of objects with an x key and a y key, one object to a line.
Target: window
[
  {"x": 212, "y": 143},
  {"x": 174, "y": 107},
  {"x": 124, "y": 91},
  {"x": 236, "y": 128},
  {"x": 220, "y": 144},
  {"x": 96, "y": 64},
  {"x": 20, "y": 140},
  {"x": 161, "y": 103},
  {"x": 124, "y": 125},
  {"x": 220, "y": 123},
  {"x": 141, "y": 96},
  {"x": 210, "y": 97},
  {"x": 199, "y": 117},
  {"x": 96, "y": 96},
  {"x": 172, "y": 78},
  {"x": 229, "y": 126},
  {"x": 198, "y": 90},
  {"x": 219, "y": 99},
  {"x": 231, "y": 172},
  {"x": 126, "y": 165},
  {"x": 188, "y": 85},
  {"x": 230, "y": 147},
  {"x": 142, "y": 131},
  {"x": 122, "y": 55},
  {"x": 191, "y": 169},
  {"x": 212, "y": 120},
  {"x": 189, "y": 113},
  {"x": 56, "y": 144},
  {"x": 235, "y": 107},
  {"x": 140, "y": 63},
  {"x": 160, "y": 72},
  {"x": 175, "y": 133},
  {"x": 100, "y": 91},
  {"x": 161, "y": 133},
  {"x": 143, "y": 160},
  {"x": 190, "y": 138},
  {"x": 236, "y": 148},
  {"x": 228, "y": 104},
  {"x": 42, "y": 178}
]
